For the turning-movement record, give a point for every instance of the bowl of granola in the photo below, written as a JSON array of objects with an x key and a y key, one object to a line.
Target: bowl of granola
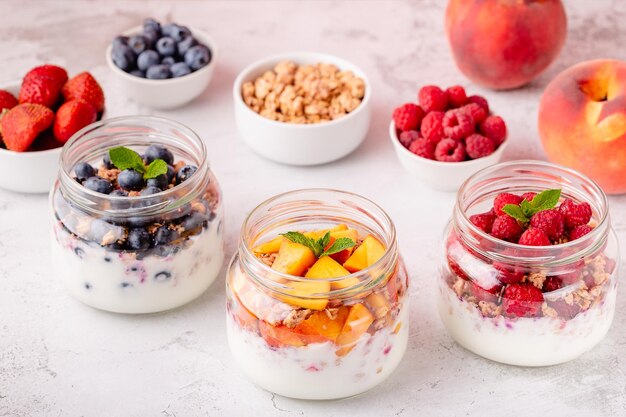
[{"x": 302, "y": 108}]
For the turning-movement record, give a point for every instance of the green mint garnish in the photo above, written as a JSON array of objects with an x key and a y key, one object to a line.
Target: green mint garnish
[
  {"x": 317, "y": 246},
  {"x": 545, "y": 200},
  {"x": 124, "y": 158}
]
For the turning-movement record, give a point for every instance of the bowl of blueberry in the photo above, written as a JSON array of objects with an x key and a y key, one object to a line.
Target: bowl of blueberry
[{"x": 162, "y": 66}]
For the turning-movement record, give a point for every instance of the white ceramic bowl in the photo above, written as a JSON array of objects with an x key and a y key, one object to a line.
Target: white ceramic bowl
[
  {"x": 298, "y": 144},
  {"x": 445, "y": 176},
  {"x": 40, "y": 166},
  {"x": 169, "y": 93}
]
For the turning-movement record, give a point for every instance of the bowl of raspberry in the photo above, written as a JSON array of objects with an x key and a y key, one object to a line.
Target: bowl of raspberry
[
  {"x": 531, "y": 265},
  {"x": 447, "y": 136},
  {"x": 162, "y": 65}
]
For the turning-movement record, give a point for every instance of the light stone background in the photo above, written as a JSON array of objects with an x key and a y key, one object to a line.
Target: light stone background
[{"x": 61, "y": 358}]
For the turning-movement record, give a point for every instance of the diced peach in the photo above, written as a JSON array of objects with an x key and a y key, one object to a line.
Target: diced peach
[
  {"x": 293, "y": 258},
  {"x": 317, "y": 234},
  {"x": 271, "y": 246},
  {"x": 320, "y": 325},
  {"x": 370, "y": 251},
  {"x": 279, "y": 336},
  {"x": 343, "y": 256},
  {"x": 379, "y": 305},
  {"x": 358, "y": 321},
  {"x": 303, "y": 291},
  {"x": 327, "y": 267},
  {"x": 242, "y": 316}
]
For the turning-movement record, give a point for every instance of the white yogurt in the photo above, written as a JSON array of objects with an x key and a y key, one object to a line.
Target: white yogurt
[
  {"x": 525, "y": 341},
  {"x": 315, "y": 372}
]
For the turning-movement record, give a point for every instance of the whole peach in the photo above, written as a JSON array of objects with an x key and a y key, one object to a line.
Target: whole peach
[
  {"x": 503, "y": 44},
  {"x": 582, "y": 121}
]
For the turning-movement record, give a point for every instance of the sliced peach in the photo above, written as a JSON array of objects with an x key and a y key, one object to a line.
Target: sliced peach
[
  {"x": 302, "y": 292},
  {"x": 271, "y": 246},
  {"x": 278, "y": 336},
  {"x": 358, "y": 321},
  {"x": 327, "y": 267},
  {"x": 317, "y": 234},
  {"x": 321, "y": 325},
  {"x": 293, "y": 258},
  {"x": 370, "y": 251}
]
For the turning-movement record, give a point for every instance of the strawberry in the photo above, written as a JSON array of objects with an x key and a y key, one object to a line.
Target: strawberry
[
  {"x": 72, "y": 116},
  {"x": 42, "y": 85},
  {"x": 7, "y": 100},
  {"x": 85, "y": 87},
  {"x": 21, "y": 125}
]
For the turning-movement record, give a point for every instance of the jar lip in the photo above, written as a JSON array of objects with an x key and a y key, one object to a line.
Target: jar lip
[
  {"x": 389, "y": 250},
  {"x": 538, "y": 251},
  {"x": 131, "y": 121}
]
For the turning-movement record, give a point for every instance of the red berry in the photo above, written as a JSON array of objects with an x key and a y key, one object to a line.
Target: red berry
[
  {"x": 477, "y": 112},
  {"x": 494, "y": 128},
  {"x": 522, "y": 300},
  {"x": 579, "y": 231},
  {"x": 408, "y": 117},
  {"x": 432, "y": 126},
  {"x": 528, "y": 196},
  {"x": 406, "y": 138},
  {"x": 552, "y": 284},
  {"x": 456, "y": 269},
  {"x": 483, "y": 221},
  {"x": 575, "y": 214},
  {"x": 457, "y": 125},
  {"x": 432, "y": 98},
  {"x": 550, "y": 221},
  {"x": 83, "y": 86},
  {"x": 485, "y": 294},
  {"x": 449, "y": 150},
  {"x": 479, "y": 146},
  {"x": 422, "y": 147},
  {"x": 456, "y": 96},
  {"x": 502, "y": 200},
  {"x": 506, "y": 228},
  {"x": 72, "y": 116},
  {"x": 508, "y": 274},
  {"x": 21, "y": 125},
  {"x": 7, "y": 100},
  {"x": 481, "y": 101},
  {"x": 42, "y": 85},
  {"x": 534, "y": 237}
]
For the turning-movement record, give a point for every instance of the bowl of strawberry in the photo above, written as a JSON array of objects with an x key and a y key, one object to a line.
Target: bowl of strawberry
[
  {"x": 37, "y": 116},
  {"x": 447, "y": 136},
  {"x": 531, "y": 265}
]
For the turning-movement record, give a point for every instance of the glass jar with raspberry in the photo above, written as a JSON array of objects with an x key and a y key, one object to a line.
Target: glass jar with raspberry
[
  {"x": 317, "y": 296},
  {"x": 530, "y": 272}
]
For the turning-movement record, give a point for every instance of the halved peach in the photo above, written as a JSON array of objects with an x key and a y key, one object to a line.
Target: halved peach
[
  {"x": 293, "y": 258},
  {"x": 358, "y": 321},
  {"x": 303, "y": 291},
  {"x": 370, "y": 251}
]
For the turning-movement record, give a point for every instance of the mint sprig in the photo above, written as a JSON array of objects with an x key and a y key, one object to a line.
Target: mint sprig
[
  {"x": 339, "y": 245},
  {"x": 318, "y": 246},
  {"x": 125, "y": 158},
  {"x": 522, "y": 212}
]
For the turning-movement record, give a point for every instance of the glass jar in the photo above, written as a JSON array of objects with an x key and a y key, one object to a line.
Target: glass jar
[
  {"x": 321, "y": 344},
  {"x": 139, "y": 254},
  {"x": 578, "y": 279}
]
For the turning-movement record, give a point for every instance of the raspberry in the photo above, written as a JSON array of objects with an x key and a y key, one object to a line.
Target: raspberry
[
  {"x": 478, "y": 146},
  {"x": 550, "y": 221},
  {"x": 528, "y": 196},
  {"x": 432, "y": 126},
  {"x": 565, "y": 310},
  {"x": 456, "y": 269},
  {"x": 481, "y": 101},
  {"x": 552, "y": 284},
  {"x": 477, "y": 112},
  {"x": 422, "y": 147},
  {"x": 408, "y": 116},
  {"x": 579, "y": 231},
  {"x": 457, "y": 125},
  {"x": 432, "y": 98},
  {"x": 522, "y": 300},
  {"x": 502, "y": 200},
  {"x": 449, "y": 150},
  {"x": 506, "y": 228},
  {"x": 407, "y": 137},
  {"x": 575, "y": 214},
  {"x": 494, "y": 128},
  {"x": 534, "y": 237},
  {"x": 508, "y": 274},
  {"x": 485, "y": 294},
  {"x": 483, "y": 221},
  {"x": 456, "y": 96}
]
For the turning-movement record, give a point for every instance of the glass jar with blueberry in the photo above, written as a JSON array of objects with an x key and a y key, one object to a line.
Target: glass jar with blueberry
[{"x": 137, "y": 216}]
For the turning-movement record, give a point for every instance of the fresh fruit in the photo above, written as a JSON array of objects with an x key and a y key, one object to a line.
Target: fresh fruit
[
  {"x": 279, "y": 336},
  {"x": 483, "y": 221},
  {"x": 582, "y": 121},
  {"x": 407, "y": 137},
  {"x": 83, "y": 86},
  {"x": 138, "y": 44},
  {"x": 184, "y": 45},
  {"x": 7, "y": 100},
  {"x": 147, "y": 59},
  {"x": 293, "y": 258},
  {"x": 319, "y": 324},
  {"x": 504, "y": 44},
  {"x": 579, "y": 231},
  {"x": 158, "y": 72},
  {"x": 343, "y": 255},
  {"x": 306, "y": 294},
  {"x": 366, "y": 255},
  {"x": 476, "y": 111},
  {"x": 99, "y": 185},
  {"x": 502, "y": 200},
  {"x": 166, "y": 46},
  {"x": 408, "y": 117},
  {"x": 479, "y": 146},
  {"x": 158, "y": 152},
  {"x": 271, "y": 246},
  {"x": 575, "y": 214},
  {"x": 83, "y": 170},
  {"x": 358, "y": 321},
  {"x": 123, "y": 57},
  {"x": 506, "y": 228},
  {"x": 456, "y": 96},
  {"x": 130, "y": 180},
  {"x": 179, "y": 69},
  {"x": 494, "y": 128},
  {"x": 139, "y": 238},
  {"x": 550, "y": 221},
  {"x": 423, "y": 147},
  {"x": 327, "y": 267},
  {"x": 159, "y": 182},
  {"x": 21, "y": 125},
  {"x": 432, "y": 98},
  {"x": 522, "y": 300},
  {"x": 197, "y": 57},
  {"x": 534, "y": 237},
  {"x": 42, "y": 85},
  {"x": 185, "y": 172},
  {"x": 457, "y": 125},
  {"x": 449, "y": 150},
  {"x": 72, "y": 116}
]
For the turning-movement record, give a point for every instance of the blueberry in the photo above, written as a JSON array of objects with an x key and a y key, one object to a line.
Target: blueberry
[
  {"x": 164, "y": 235},
  {"x": 197, "y": 57},
  {"x": 123, "y": 57},
  {"x": 150, "y": 190},
  {"x": 184, "y": 45},
  {"x": 83, "y": 171},
  {"x": 158, "y": 72},
  {"x": 184, "y": 173},
  {"x": 168, "y": 60},
  {"x": 151, "y": 25},
  {"x": 130, "y": 180},
  {"x": 167, "y": 29},
  {"x": 138, "y": 44},
  {"x": 120, "y": 40},
  {"x": 159, "y": 152},
  {"x": 147, "y": 59},
  {"x": 166, "y": 46},
  {"x": 193, "y": 221},
  {"x": 106, "y": 159},
  {"x": 138, "y": 239},
  {"x": 178, "y": 33},
  {"x": 99, "y": 185},
  {"x": 171, "y": 173},
  {"x": 179, "y": 69},
  {"x": 162, "y": 276},
  {"x": 160, "y": 182},
  {"x": 151, "y": 36}
]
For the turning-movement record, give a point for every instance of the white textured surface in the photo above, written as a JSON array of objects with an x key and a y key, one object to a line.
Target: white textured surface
[{"x": 60, "y": 358}]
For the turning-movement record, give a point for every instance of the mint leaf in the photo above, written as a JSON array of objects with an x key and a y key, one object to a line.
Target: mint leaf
[
  {"x": 297, "y": 237},
  {"x": 156, "y": 168},
  {"x": 339, "y": 245},
  {"x": 124, "y": 158},
  {"x": 516, "y": 212},
  {"x": 545, "y": 200},
  {"x": 324, "y": 241}
]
